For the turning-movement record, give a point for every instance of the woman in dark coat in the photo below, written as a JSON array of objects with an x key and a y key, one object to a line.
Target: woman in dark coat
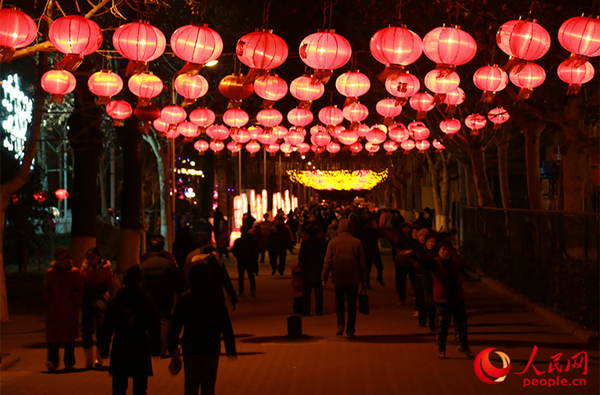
[
  {"x": 131, "y": 317},
  {"x": 310, "y": 260},
  {"x": 245, "y": 249},
  {"x": 63, "y": 291}
]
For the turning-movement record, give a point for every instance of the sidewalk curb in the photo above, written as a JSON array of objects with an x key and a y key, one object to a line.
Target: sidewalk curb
[
  {"x": 9, "y": 361},
  {"x": 566, "y": 325}
]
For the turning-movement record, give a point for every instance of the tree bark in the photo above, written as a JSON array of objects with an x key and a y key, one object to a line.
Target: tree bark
[
  {"x": 503, "y": 172},
  {"x": 484, "y": 195},
  {"x": 532, "y": 159},
  {"x": 433, "y": 163},
  {"x": 444, "y": 216}
]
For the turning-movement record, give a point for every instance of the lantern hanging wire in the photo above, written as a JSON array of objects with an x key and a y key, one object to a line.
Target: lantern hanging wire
[
  {"x": 266, "y": 9},
  {"x": 328, "y": 6}
]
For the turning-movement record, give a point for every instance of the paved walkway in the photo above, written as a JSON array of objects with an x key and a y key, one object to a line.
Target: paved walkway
[{"x": 391, "y": 354}]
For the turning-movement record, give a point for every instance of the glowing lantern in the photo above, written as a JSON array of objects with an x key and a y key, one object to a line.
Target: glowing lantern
[
  {"x": 173, "y": 114},
  {"x": 523, "y": 39},
  {"x": 145, "y": 86},
  {"x": 356, "y": 148},
  {"x": 422, "y": 145},
  {"x": 398, "y": 132},
  {"x": 61, "y": 194},
  {"x": 336, "y": 131},
  {"x": 272, "y": 149},
  {"x": 269, "y": 117},
  {"x": 490, "y": 79},
  {"x": 347, "y": 137},
  {"x": 270, "y": 87},
  {"x": 17, "y": 30},
  {"x": 118, "y": 110},
  {"x": 475, "y": 122},
  {"x": 191, "y": 87},
  {"x": 75, "y": 35},
  {"x": 58, "y": 83},
  {"x": 188, "y": 130},
  {"x": 581, "y": 36},
  {"x": 422, "y": 102},
  {"x": 253, "y": 147},
  {"x": 303, "y": 148},
  {"x": 450, "y": 126},
  {"x": 241, "y": 136},
  {"x": 355, "y": 112},
  {"x": 441, "y": 81},
  {"x": 418, "y": 131},
  {"x": 105, "y": 84},
  {"x": 267, "y": 138},
  {"x": 202, "y": 117},
  {"x": 390, "y": 146},
  {"x": 235, "y": 117},
  {"x": 362, "y": 130},
  {"x": 160, "y": 125},
  {"x": 236, "y": 87},
  {"x": 196, "y": 44},
  {"x": 438, "y": 146},
  {"x": 331, "y": 115},
  {"x": 333, "y": 148},
  {"x": 388, "y": 108},
  {"x": 376, "y": 136},
  {"x": 396, "y": 46},
  {"x": 325, "y": 50},
  {"x": 234, "y": 147},
  {"x": 217, "y": 145},
  {"x": 453, "y": 99},
  {"x": 300, "y": 116},
  {"x": 306, "y": 88},
  {"x": 294, "y": 137},
  {"x": 449, "y": 46},
  {"x": 40, "y": 196},
  {"x": 527, "y": 78},
  {"x": 352, "y": 84},
  {"x": 575, "y": 72},
  {"x": 498, "y": 116},
  {"x": 316, "y": 149},
  {"x": 371, "y": 147},
  {"x": 172, "y": 133},
  {"x": 262, "y": 50},
  {"x": 320, "y": 139},
  {"x": 286, "y": 148},
  {"x": 280, "y": 131},
  {"x": 140, "y": 43},
  {"x": 147, "y": 113},
  {"x": 402, "y": 85},
  {"x": 318, "y": 129},
  {"x": 201, "y": 146},
  {"x": 407, "y": 146},
  {"x": 217, "y": 132},
  {"x": 255, "y": 131}
]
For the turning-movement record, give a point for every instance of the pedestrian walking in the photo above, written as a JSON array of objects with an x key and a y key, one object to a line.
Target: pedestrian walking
[
  {"x": 369, "y": 236},
  {"x": 402, "y": 264},
  {"x": 279, "y": 241},
  {"x": 63, "y": 291},
  {"x": 261, "y": 239},
  {"x": 345, "y": 261},
  {"x": 184, "y": 244},
  {"x": 310, "y": 260},
  {"x": 223, "y": 238},
  {"x": 245, "y": 249}
]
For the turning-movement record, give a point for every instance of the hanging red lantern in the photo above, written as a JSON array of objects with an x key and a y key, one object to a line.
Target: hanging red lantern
[
  {"x": 294, "y": 137},
  {"x": 241, "y": 136},
  {"x": 325, "y": 51},
  {"x": 352, "y": 84},
  {"x": 581, "y": 36},
  {"x": 498, "y": 116},
  {"x": 173, "y": 114},
  {"x": 196, "y": 44},
  {"x": 318, "y": 129},
  {"x": 202, "y": 117},
  {"x": 317, "y": 150},
  {"x": 253, "y": 147},
  {"x": 422, "y": 102},
  {"x": 280, "y": 131},
  {"x": 527, "y": 78},
  {"x": 575, "y": 72},
  {"x": 331, "y": 115},
  {"x": 267, "y": 138},
  {"x": 118, "y": 110},
  {"x": 355, "y": 112},
  {"x": 147, "y": 113},
  {"x": 235, "y": 118},
  {"x": 307, "y": 89},
  {"x": 40, "y": 196},
  {"x": 523, "y": 39},
  {"x": 441, "y": 81},
  {"x": 140, "y": 43},
  {"x": 201, "y": 146},
  {"x": 402, "y": 85},
  {"x": 376, "y": 135},
  {"x": 396, "y": 46},
  {"x": 320, "y": 139},
  {"x": 454, "y": 98},
  {"x": 475, "y": 122},
  {"x": 388, "y": 108},
  {"x": 333, "y": 148},
  {"x": 303, "y": 148},
  {"x": 188, "y": 130},
  {"x": 398, "y": 132},
  {"x": 347, "y": 137},
  {"x": 160, "y": 125},
  {"x": 145, "y": 86},
  {"x": 236, "y": 87},
  {"x": 300, "y": 116},
  {"x": 272, "y": 149},
  {"x": 390, "y": 146},
  {"x": 371, "y": 148},
  {"x": 422, "y": 145},
  {"x": 438, "y": 146},
  {"x": 262, "y": 50},
  {"x": 336, "y": 131},
  {"x": 75, "y": 36},
  {"x": 356, "y": 148},
  {"x": 270, "y": 87},
  {"x": 217, "y": 146},
  {"x": 490, "y": 79},
  {"x": 269, "y": 117},
  {"x": 255, "y": 131},
  {"x": 407, "y": 146},
  {"x": 450, "y": 126},
  {"x": 449, "y": 46},
  {"x": 286, "y": 148},
  {"x": 234, "y": 147},
  {"x": 17, "y": 30},
  {"x": 418, "y": 131},
  {"x": 105, "y": 84},
  {"x": 191, "y": 87},
  {"x": 61, "y": 194},
  {"x": 58, "y": 83},
  {"x": 217, "y": 132}
]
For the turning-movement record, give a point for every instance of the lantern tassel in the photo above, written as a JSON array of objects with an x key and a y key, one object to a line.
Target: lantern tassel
[
  {"x": 58, "y": 99},
  {"x": 387, "y": 121},
  {"x": 513, "y": 62},
  {"x": 439, "y": 98},
  {"x": 354, "y": 126},
  {"x": 305, "y": 104},
  {"x": 389, "y": 71},
  {"x": 331, "y": 154},
  {"x": 6, "y": 54},
  {"x": 267, "y": 104},
  {"x": 389, "y": 153},
  {"x": 134, "y": 67},
  {"x": 272, "y": 154},
  {"x": 117, "y": 122},
  {"x": 488, "y": 97},
  {"x": 69, "y": 63},
  {"x": 323, "y": 76},
  {"x": 497, "y": 126},
  {"x": 234, "y": 104},
  {"x": 574, "y": 89},
  {"x": 421, "y": 115},
  {"x": 102, "y": 100},
  {"x": 474, "y": 132},
  {"x": 350, "y": 100},
  {"x": 401, "y": 101},
  {"x": 450, "y": 109},
  {"x": 524, "y": 94},
  {"x": 254, "y": 74},
  {"x": 406, "y": 152},
  {"x": 190, "y": 68}
]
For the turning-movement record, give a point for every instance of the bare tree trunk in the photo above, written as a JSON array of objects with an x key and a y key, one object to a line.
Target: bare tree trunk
[
  {"x": 222, "y": 184},
  {"x": 162, "y": 158},
  {"x": 503, "y": 172},
  {"x": 442, "y": 218},
  {"x": 433, "y": 163},
  {"x": 532, "y": 159},
  {"x": 484, "y": 195},
  {"x": 470, "y": 186}
]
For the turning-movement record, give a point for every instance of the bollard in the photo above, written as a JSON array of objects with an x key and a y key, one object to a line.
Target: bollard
[{"x": 294, "y": 326}]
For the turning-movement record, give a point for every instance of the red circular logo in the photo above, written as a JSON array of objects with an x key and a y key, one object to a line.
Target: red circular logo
[{"x": 484, "y": 368}]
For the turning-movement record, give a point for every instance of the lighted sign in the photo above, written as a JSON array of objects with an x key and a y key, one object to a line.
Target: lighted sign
[
  {"x": 190, "y": 172},
  {"x": 19, "y": 109},
  {"x": 338, "y": 179}
]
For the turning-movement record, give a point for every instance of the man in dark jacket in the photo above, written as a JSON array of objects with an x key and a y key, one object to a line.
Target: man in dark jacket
[
  {"x": 203, "y": 320},
  {"x": 245, "y": 249},
  {"x": 279, "y": 241},
  {"x": 345, "y": 260},
  {"x": 369, "y": 236},
  {"x": 161, "y": 281},
  {"x": 310, "y": 260}
]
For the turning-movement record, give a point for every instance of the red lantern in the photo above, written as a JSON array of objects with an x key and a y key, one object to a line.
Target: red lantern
[
  {"x": 449, "y": 46},
  {"x": 450, "y": 126},
  {"x": 61, "y": 194},
  {"x": 396, "y": 46},
  {"x": 356, "y": 148},
  {"x": 105, "y": 84},
  {"x": 453, "y": 99},
  {"x": 196, "y": 44},
  {"x": 201, "y": 146},
  {"x": 318, "y": 129},
  {"x": 139, "y": 42},
  {"x": 418, "y": 131},
  {"x": 267, "y": 138},
  {"x": 305, "y": 88},
  {"x": 235, "y": 87},
  {"x": 286, "y": 148},
  {"x": 253, "y": 147},
  {"x": 217, "y": 132},
  {"x": 202, "y": 117},
  {"x": 388, "y": 108},
  {"x": 188, "y": 130},
  {"x": 498, "y": 116},
  {"x": 145, "y": 86},
  {"x": 40, "y": 196},
  {"x": 333, "y": 148},
  {"x": 272, "y": 149},
  {"x": 300, "y": 116},
  {"x": 235, "y": 117},
  {"x": 234, "y": 147},
  {"x": 371, "y": 147},
  {"x": 217, "y": 146},
  {"x": 527, "y": 78},
  {"x": 390, "y": 146},
  {"x": 190, "y": 86},
  {"x": 331, "y": 115},
  {"x": 422, "y": 102},
  {"x": 58, "y": 83},
  {"x": 336, "y": 131},
  {"x": 347, "y": 137},
  {"x": 303, "y": 148},
  {"x": 118, "y": 110},
  {"x": 490, "y": 79},
  {"x": 270, "y": 87},
  {"x": 352, "y": 84},
  {"x": 581, "y": 36},
  {"x": 280, "y": 131},
  {"x": 269, "y": 117},
  {"x": 320, "y": 139},
  {"x": 441, "y": 81},
  {"x": 255, "y": 131},
  {"x": 422, "y": 145},
  {"x": 173, "y": 114},
  {"x": 17, "y": 30},
  {"x": 75, "y": 35},
  {"x": 575, "y": 72},
  {"x": 402, "y": 85},
  {"x": 241, "y": 136},
  {"x": 475, "y": 122},
  {"x": 262, "y": 50},
  {"x": 325, "y": 50},
  {"x": 398, "y": 132},
  {"x": 294, "y": 137},
  {"x": 147, "y": 113},
  {"x": 523, "y": 39},
  {"x": 160, "y": 125},
  {"x": 438, "y": 146},
  {"x": 376, "y": 135},
  {"x": 407, "y": 146},
  {"x": 355, "y": 112}
]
